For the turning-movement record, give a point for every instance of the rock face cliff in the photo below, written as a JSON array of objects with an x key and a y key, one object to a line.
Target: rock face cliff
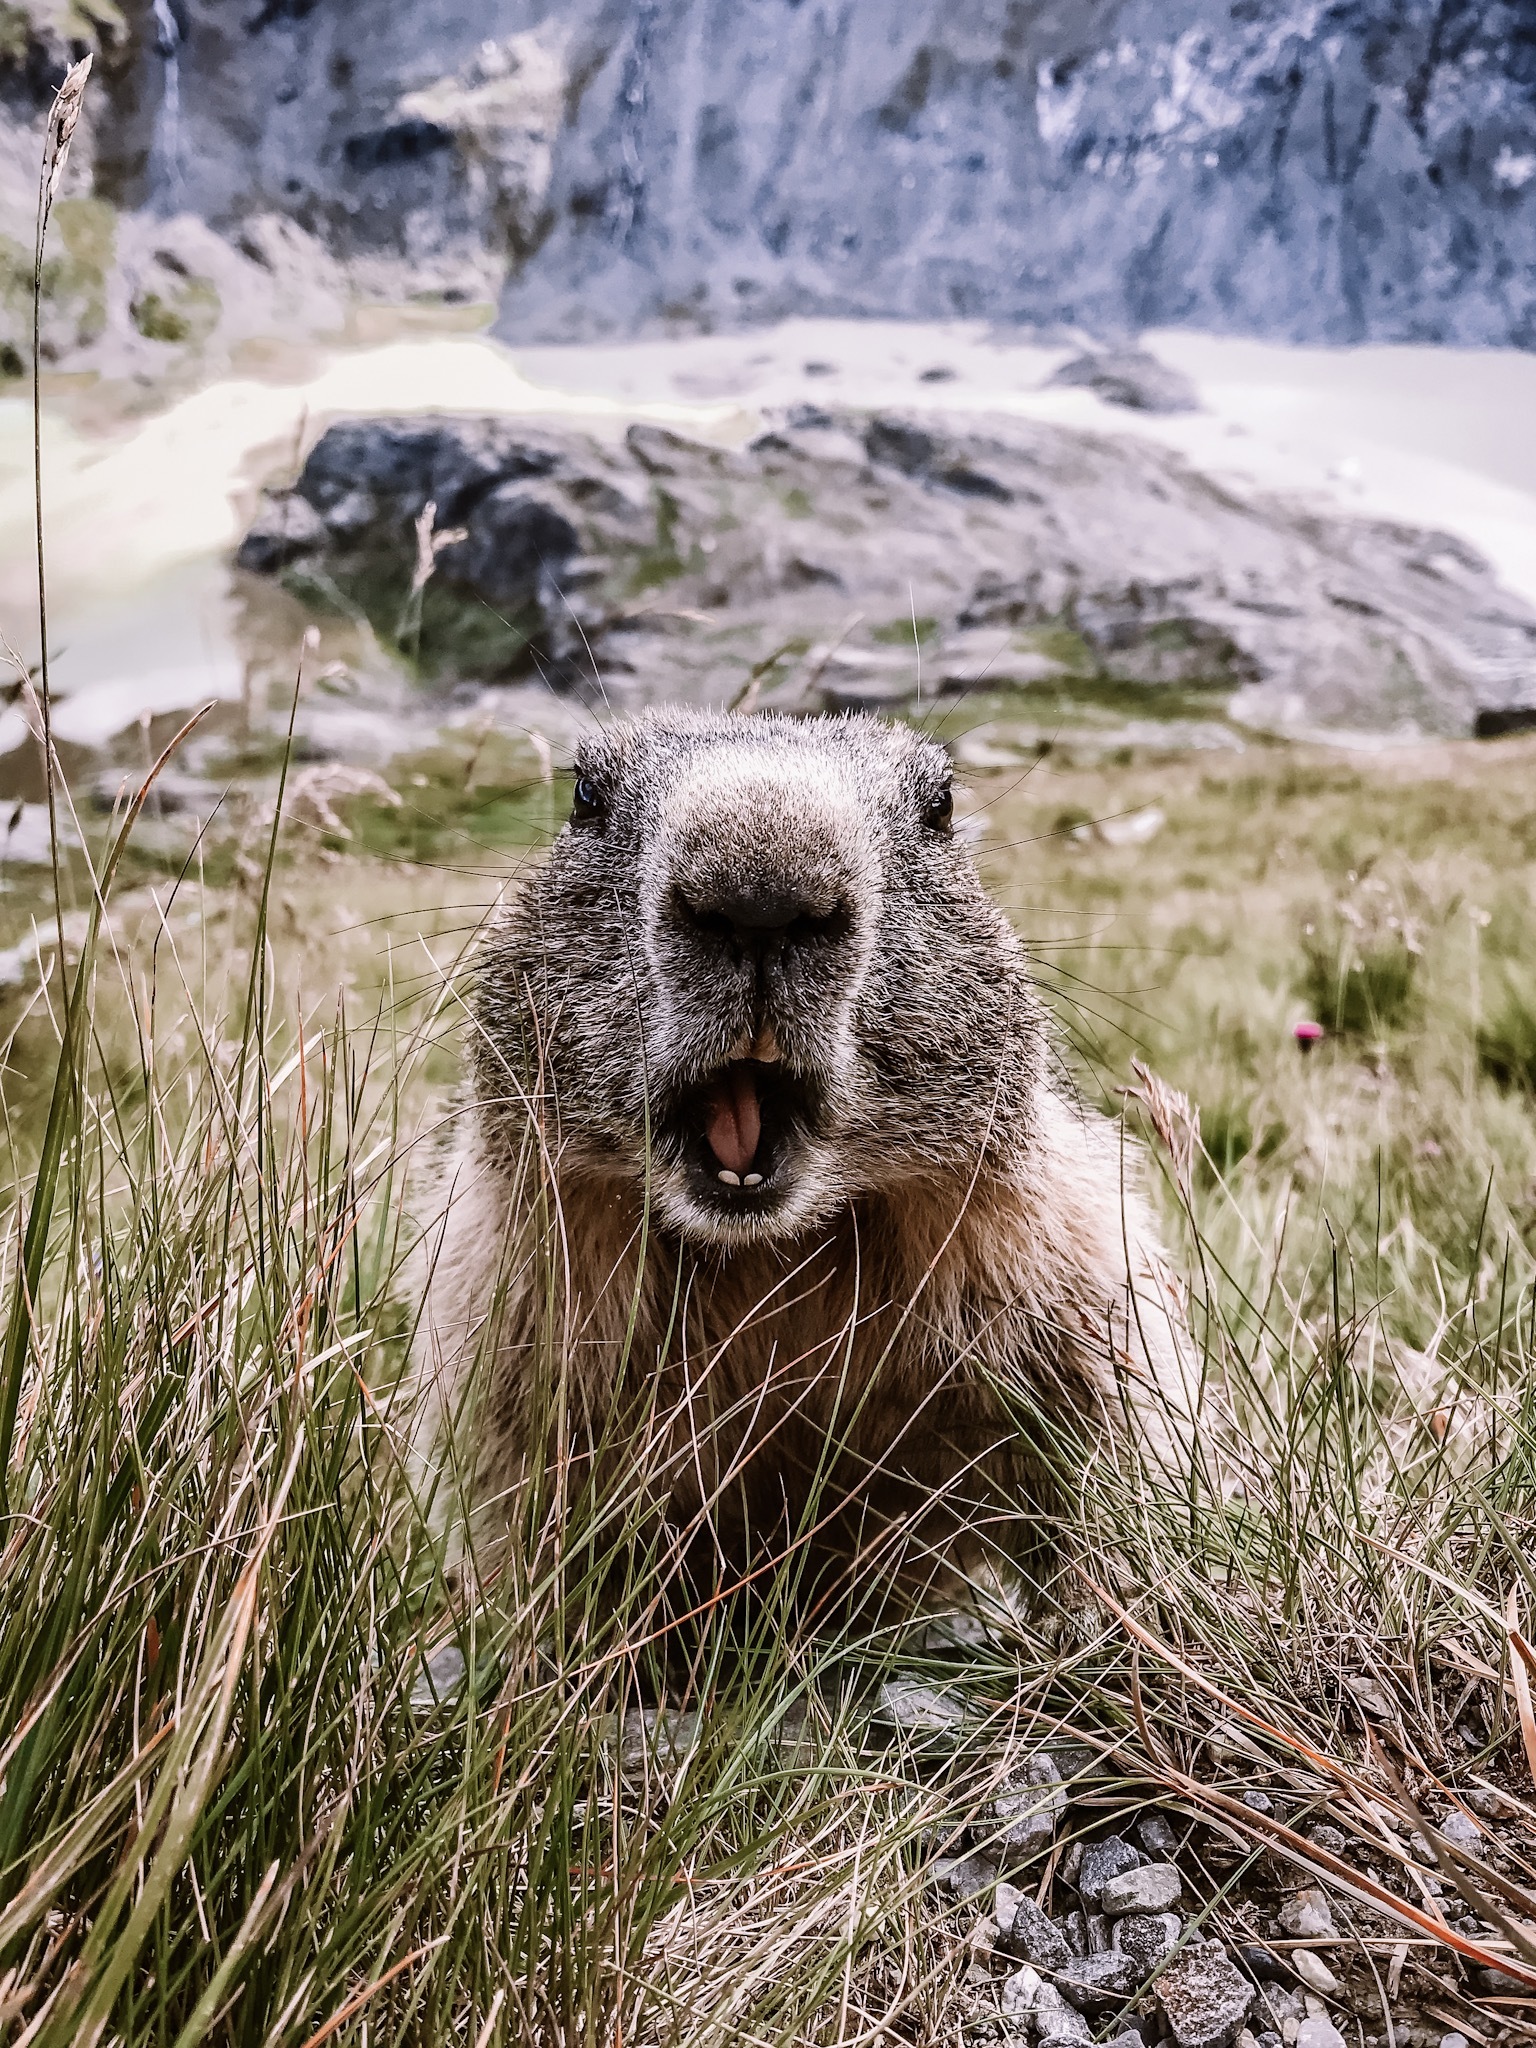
[{"x": 1364, "y": 169}]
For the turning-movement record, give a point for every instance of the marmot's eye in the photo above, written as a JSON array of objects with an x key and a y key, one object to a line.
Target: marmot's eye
[
  {"x": 586, "y": 801},
  {"x": 939, "y": 811}
]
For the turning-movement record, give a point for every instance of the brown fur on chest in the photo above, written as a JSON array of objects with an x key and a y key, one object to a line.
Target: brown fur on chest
[{"x": 872, "y": 1371}]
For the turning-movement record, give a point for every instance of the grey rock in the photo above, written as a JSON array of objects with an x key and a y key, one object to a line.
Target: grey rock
[
  {"x": 962, "y": 1877},
  {"x": 1267, "y": 2039},
  {"x": 1132, "y": 378},
  {"x": 1319, "y": 2033},
  {"x": 1098, "y": 1983},
  {"x": 285, "y": 528},
  {"x": 1021, "y": 1992},
  {"x": 915, "y": 1709},
  {"x": 1074, "y": 1927},
  {"x": 1112, "y": 1857},
  {"x": 1308, "y": 1916},
  {"x": 1157, "y": 1837},
  {"x": 1005, "y": 1903},
  {"x": 1276, "y": 2008},
  {"x": 1030, "y": 1810},
  {"x": 1158, "y": 578},
  {"x": 1328, "y": 1837},
  {"x": 1454, "y": 2041},
  {"x": 440, "y": 1679},
  {"x": 1278, "y": 2003},
  {"x": 1492, "y": 1983},
  {"x": 610, "y": 172},
  {"x": 1486, "y": 1803},
  {"x": 1459, "y": 1828},
  {"x": 1061, "y": 2027},
  {"x": 1099, "y": 1933},
  {"x": 1033, "y": 1937},
  {"x": 1026, "y": 1996},
  {"x": 1259, "y": 1801},
  {"x": 956, "y": 1631},
  {"x": 1155, "y": 1888},
  {"x": 1204, "y": 1997},
  {"x": 1070, "y": 1867},
  {"x": 658, "y": 1738},
  {"x": 1314, "y": 1972},
  {"x": 1147, "y": 1938}
]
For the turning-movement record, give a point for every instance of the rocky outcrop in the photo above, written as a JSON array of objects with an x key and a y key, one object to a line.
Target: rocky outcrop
[
  {"x": 1314, "y": 170},
  {"x": 847, "y": 559}
]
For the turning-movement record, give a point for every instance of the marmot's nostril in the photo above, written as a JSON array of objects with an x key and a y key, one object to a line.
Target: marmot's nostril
[{"x": 754, "y": 918}]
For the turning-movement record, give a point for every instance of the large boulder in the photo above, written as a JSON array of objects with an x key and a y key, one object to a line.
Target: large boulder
[{"x": 866, "y": 559}]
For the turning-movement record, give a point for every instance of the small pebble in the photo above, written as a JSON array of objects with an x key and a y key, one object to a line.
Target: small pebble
[
  {"x": 1204, "y": 1997},
  {"x": 1308, "y": 1916},
  {"x": 912, "y": 1708},
  {"x": 1098, "y": 1934},
  {"x": 1461, "y": 1829},
  {"x": 1022, "y": 1990},
  {"x": 970, "y": 1876},
  {"x": 1328, "y": 1837},
  {"x": 1098, "y": 1984},
  {"x": 1489, "y": 1804},
  {"x": 1314, "y": 1972},
  {"x": 1270, "y": 2040},
  {"x": 1259, "y": 1802},
  {"x": 1498, "y": 1983},
  {"x": 439, "y": 1678},
  {"x": 1030, "y": 1810},
  {"x": 1074, "y": 1927},
  {"x": 1281, "y": 2003},
  {"x": 1155, "y": 1888},
  {"x": 1112, "y": 1857},
  {"x": 1319, "y": 2034},
  {"x": 1454, "y": 2041},
  {"x": 1158, "y": 1837},
  {"x": 1071, "y": 1862},
  {"x": 1032, "y": 1937},
  {"x": 1005, "y": 1902},
  {"x": 1147, "y": 1938}
]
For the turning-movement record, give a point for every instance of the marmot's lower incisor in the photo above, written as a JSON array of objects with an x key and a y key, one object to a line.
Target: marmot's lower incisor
[{"x": 765, "y": 1157}]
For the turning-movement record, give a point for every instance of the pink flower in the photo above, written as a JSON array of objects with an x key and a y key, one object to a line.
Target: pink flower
[{"x": 1306, "y": 1033}]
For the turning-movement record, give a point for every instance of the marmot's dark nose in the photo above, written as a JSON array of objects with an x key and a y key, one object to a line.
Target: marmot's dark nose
[{"x": 767, "y": 919}]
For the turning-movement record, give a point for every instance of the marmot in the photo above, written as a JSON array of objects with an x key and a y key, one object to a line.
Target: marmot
[{"x": 766, "y": 1164}]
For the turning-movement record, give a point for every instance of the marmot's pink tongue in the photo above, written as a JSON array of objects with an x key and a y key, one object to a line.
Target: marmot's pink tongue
[{"x": 735, "y": 1121}]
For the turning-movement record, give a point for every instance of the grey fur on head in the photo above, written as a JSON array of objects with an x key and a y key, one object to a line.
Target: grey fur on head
[
  {"x": 760, "y": 881},
  {"x": 755, "y": 1017}
]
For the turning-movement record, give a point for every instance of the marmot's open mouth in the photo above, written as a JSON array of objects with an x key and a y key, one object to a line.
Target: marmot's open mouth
[{"x": 736, "y": 1131}]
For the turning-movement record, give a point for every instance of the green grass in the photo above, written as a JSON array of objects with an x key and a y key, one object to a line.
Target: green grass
[{"x": 223, "y": 1818}]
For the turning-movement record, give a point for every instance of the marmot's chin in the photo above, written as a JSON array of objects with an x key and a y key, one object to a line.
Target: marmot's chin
[{"x": 801, "y": 1198}]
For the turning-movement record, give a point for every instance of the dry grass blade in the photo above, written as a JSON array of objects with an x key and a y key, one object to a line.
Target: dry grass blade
[
  {"x": 1175, "y": 1120},
  {"x": 63, "y": 119},
  {"x": 1522, "y": 1663}
]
